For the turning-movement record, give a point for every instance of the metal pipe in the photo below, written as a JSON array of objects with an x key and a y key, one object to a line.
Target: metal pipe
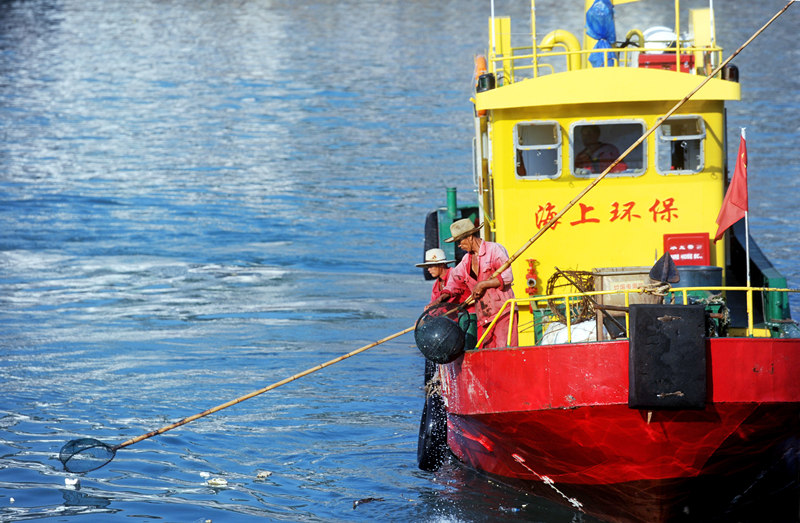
[
  {"x": 533, "y": 38},
  {"x": 452, "y": 203},
  {"x": 677, "y": 36}
]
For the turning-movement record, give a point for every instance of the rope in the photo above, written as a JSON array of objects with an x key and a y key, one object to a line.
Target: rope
[
  {"x": 549, "y": 482},
  {"x": 656, "y": 289},
  {"x": 434, "y": 386}
]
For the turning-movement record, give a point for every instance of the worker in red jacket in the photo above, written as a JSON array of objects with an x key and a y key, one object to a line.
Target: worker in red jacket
[{"x": 474, "y": 274}]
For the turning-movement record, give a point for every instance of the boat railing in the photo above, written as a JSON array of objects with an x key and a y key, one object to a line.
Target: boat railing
[
  {"x": 512, "y": 66},
  {"x": 541, "y": 309}
]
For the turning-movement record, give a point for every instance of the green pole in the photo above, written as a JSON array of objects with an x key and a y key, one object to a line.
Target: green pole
[{"x": 452, "y": 203}]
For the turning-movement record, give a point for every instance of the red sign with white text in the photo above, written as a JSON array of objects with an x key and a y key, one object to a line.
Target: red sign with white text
[{"x": 688, "y": 249}]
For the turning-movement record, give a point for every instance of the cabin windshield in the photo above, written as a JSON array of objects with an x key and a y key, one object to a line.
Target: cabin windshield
[
  {"x": 679, "y": 146},
  {"x": 597, "y": 144},
  {"x": 538, "y": 149}
]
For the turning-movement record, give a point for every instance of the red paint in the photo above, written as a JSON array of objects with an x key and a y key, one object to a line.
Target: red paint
[
  {"x": 563, "y": 409},
  {"x": 688, "y": 249},
  {"x": 666, "y": 61}
]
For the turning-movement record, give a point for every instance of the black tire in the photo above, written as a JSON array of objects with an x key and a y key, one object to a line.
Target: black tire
[
  {"x": 432, "y": 447},
  {"x": 430, "y": 370},
  {"x": 431, "y": 237}
]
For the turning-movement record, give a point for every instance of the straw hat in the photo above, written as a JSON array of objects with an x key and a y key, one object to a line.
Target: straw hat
[
  {"x": 461, "y": 229},
  {"x": 434, "y": 257}
]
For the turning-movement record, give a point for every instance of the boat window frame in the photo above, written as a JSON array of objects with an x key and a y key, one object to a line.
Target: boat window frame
[
  {"x": 659, "y": 140},
  {"x": 517, "y": 148},
  {"x": 612, "y": 121}
]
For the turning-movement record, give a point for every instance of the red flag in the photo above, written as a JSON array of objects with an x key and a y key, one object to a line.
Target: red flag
[{"x": 734, "y": 206}]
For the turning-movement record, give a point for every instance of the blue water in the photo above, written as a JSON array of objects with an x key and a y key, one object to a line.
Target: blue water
[{"x": 199, "y": 199}]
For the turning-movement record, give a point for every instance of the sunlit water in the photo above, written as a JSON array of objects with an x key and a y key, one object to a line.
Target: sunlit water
[{"x": 198, "y": 199}]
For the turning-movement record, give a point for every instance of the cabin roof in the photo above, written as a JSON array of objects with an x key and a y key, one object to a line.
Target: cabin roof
[{"x": 604, "y": 85}]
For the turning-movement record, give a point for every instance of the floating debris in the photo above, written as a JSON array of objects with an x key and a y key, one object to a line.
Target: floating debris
[
  {"x": 11, "y": 500},
  {"x": 263, "y": 474},
  {"x": 365, "y": 500},
  {"x": 72, "y": 483},
  {"x": 217, "y": 482}
]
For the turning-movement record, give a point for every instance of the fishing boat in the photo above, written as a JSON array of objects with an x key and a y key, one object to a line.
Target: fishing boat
[{"x": 656, "y": 373}]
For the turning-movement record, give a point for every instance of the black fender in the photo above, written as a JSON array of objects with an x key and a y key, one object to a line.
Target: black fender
[
  {"x": 432, "y": 447},
  {"x": 431, "y": 237},
  {"x": 430, "y": 371}
]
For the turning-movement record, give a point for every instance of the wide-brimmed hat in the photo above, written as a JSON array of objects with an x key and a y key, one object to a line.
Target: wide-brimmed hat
[
  {"x": 461, "y": 229},
  {"x": 434, "y": 257}
]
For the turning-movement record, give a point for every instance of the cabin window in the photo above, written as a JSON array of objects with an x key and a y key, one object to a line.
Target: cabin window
[
  {"x": 537, "y": 146},
  {"x": 595, "y": 146},
  {"x": 679, "y": 145}
]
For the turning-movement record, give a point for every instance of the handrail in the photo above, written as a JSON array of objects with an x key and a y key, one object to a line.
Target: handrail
[
  {"x": 513, "y": 304},
  {"x": 534, "y": 58}
]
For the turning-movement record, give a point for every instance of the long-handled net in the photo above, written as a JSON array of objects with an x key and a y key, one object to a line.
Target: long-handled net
[{"x": 87, "y": 454}]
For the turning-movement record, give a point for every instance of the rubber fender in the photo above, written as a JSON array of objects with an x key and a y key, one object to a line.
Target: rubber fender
[
  {"x": 430, "y": 370},
  {"x": 432, "y": 447},
  {"x": 667, "y": 366},
  {"x": 439, "y": 338},
  {"x": 431, "y": 238}
]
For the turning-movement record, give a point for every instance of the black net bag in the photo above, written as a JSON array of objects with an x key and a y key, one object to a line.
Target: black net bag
[{"x": 438, "y": 336}]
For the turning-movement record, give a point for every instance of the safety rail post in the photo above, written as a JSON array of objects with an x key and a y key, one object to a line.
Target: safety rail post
[
  {"x": 512, "y": 315},
  {"x": 569, "y": 319},
  {"x": 677, "y": 36},
  {"x": 533, "y": 39},
  {"x": 627, "y": 316}
]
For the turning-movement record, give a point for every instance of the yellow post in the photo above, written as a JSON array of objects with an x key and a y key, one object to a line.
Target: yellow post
[
  {"x": 533, "y": 39},
  {"x": 700, "y": 26},
  {"x": 588, "y": 41},
  {"x": 569, "y": 319},
  {"x": 677, "y": 36},
  {"x": 500, "y": 28}
]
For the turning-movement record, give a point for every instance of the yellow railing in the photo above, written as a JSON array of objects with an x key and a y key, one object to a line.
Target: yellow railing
[
  {"x": 542, "y": 56},
  {"x": 538, "y": 301}
]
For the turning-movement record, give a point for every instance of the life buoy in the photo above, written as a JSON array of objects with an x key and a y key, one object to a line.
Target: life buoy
[
  {"x": 480, "y": 70},
  {"x": 432, "y": 444},
  {"x": 480, "y": 67}
]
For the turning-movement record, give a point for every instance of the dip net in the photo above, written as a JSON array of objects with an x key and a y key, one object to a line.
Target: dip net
[{"x": 85, "y": 454}]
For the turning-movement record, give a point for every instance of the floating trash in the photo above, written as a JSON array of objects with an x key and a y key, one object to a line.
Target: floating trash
[
  {"x": 217, "y": 482},
  {"x": 365, "y": 500},
  {"x": 72, "y": 483},
  {"x": 263, "y": 474}
]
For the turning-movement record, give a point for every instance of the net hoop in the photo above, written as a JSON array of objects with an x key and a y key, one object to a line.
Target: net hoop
[{"x": 85, "y": 454}]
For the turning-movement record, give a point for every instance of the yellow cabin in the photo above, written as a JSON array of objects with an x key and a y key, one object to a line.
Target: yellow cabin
[{"x": 553, "y": 113}]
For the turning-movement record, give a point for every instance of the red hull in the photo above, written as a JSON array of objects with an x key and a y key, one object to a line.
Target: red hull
[{"x": 573, "y": 425}]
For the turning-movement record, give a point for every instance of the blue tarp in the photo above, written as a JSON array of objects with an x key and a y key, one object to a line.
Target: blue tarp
[{"x": 600, "y": 26}]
